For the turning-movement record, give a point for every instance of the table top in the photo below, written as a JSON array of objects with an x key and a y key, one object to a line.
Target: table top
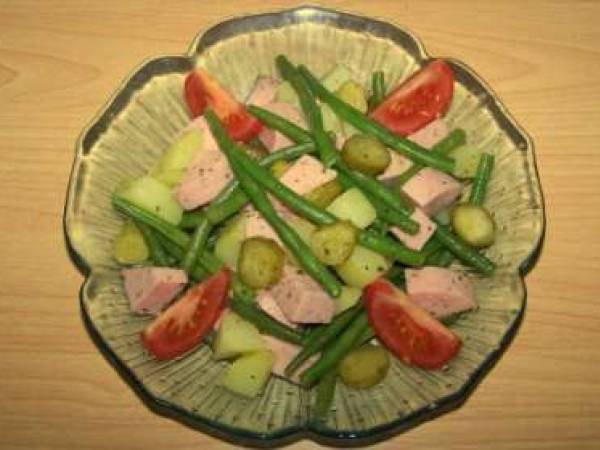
[{"x": 59, "y": 61}]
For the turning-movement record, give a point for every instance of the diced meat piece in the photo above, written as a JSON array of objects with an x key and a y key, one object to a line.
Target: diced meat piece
[
  {"x": 432, "y": 190},
  {"x": 207, "y": 174},
  {"x": 306, "y": 174},
  {"x": 150, "y": 289},
  {"x": 426, "y": 230},
  {"x": 302, "y": 299},
  {"x": 440, "y": 291},
  {"x": 267, "y": 303},
  {"x": 284, "y": 353},
  {"x": 430, "y": 134},
  {"x": 398, "y": 165},
  {"x": 274, "y": 140},
  {"x": 263, "y": 92},
  {"x": 256, "y": 225}
]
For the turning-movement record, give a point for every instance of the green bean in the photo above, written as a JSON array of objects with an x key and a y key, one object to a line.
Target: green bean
[
  {"x": 314, "y": 117},
  {"x": 463, "y": 251},
  {"x": 376, "y": 189},
  {"x": 332, "y": 355},
  {"x": 196, "y": 245},
  {"x": 482, "y": 177},
  {"x": 325, "y": 394},
  {"x": 232, "y": 198},
  {"x": 442, "y": 258},
  {"x": 157, "y": 252},
  {"x": 378, "y": 89},
  {"x": 174, "y": 240},
  {"x": 365, "y": 337},
  {"x": 366, "y": 125},
  {"x": 455, "y": 138},
  {"x": 277, "y": 123},
  {"x": 265, "y": 323},
  {"x": 391, "y": 248},
  {"x": 198, "y": 273},
  {"x": 320, "y": 338},
  {"x": 287, "y": 234}
]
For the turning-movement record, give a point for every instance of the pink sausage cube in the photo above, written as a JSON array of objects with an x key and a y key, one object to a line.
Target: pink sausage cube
[
  {"x": 207, "y": 174},
  {"x": 440, "y": 291},
  {"x": 430, "y": 134},
  {"x": 306, "y": 174},
  {"x": 398, "y": 165},
  {"x": 301, "y": 299},
  {"x": 284, "y": 354},
  {"x": 263, "y": 92},
  {"x": 267, "y": 303},
  {"x": 426, "y": 230},
  {"x": 150, "y": 289},
  {"x": 432, "y": 190},
  {"x": 271, "y": 138}
]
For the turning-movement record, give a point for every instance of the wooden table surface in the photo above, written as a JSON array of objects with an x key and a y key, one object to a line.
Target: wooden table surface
[{"x": 59, "y": 60}]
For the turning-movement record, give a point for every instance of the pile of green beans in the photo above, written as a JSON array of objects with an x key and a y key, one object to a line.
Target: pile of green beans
[
  {"x": 287, "y": 234},
  {"x": 314, "y": 118},
  {"x": 232, "y": 198}
]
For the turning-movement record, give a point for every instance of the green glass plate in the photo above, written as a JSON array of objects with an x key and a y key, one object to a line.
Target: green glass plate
[{"x": 145, "y": 115}]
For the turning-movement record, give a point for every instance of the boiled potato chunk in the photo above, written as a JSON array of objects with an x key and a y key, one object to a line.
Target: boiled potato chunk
[
  {"x": 229, "y": 242},
  {"x": 248, "y": 374},
  {"x": 362, "y": 267},
  {"x": 354, "y": 206},
  {"x": 347, "y": 299},
  {"x": 173, "y": 164},
  {"x": 153, "y": 196},
  {"x": 236, "y": 336}
]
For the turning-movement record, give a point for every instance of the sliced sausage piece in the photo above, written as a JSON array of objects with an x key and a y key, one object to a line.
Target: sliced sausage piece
[
  {"x": 431, "y": 134},
  {"x": 426, "y": 137},
  {"x": 267, "y": 303},
  {"x": 306, "y": 174},
  {"x": 207, "y": 174},
  {"x": 150, "y": 289},
  {"x": 302, "y": 299},
  {"x": 426, "y": 229},
  {"x": 432, "y": 190},
  {"x": 284, "y": 353},
  {"x": 440, "y": 291},
  {"x": 274, "y": 140},
  {"x": 398, "y": 165},
  {"x": 256, "y": 225},
  {"x": 263, "y": 92}
]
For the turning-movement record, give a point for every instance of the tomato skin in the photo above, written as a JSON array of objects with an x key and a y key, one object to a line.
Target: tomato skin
[
  {"x": 408, "y": 331},
  {"x": 183, "y": 325},
  {"x": 424, "y": 97},
  {"x": 202, "y": 91}
]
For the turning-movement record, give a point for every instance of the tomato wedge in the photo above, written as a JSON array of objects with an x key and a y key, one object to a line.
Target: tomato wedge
[
  {"x": 183, "y": 325},
  {"x": 424, "y": 97},
  {"x": 407, "y": 330},
  {"x": 203, "y": 91}
]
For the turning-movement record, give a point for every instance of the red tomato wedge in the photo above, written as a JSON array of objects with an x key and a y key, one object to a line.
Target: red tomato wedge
[
  {"x": 408, "y": 331},
  {"x": 424, "y": 97},
  {"x": 183, "y": 325},
  {"x": 203, "y": 91}
]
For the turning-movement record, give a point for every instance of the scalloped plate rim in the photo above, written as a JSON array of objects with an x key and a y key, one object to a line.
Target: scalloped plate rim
[{"x": 309, "y": 430}]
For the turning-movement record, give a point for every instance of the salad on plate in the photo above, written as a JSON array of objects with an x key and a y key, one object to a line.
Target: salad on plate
[{"x": 312, "y": 232}]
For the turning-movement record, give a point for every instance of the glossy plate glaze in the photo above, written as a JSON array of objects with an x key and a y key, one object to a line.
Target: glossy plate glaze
[{"x": 145, "y": 115}]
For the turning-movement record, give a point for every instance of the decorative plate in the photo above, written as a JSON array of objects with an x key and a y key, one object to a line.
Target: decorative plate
[{"x": 143, "y": 117}]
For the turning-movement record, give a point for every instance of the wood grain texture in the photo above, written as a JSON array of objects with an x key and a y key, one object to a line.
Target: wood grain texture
[{"x": 60, "y": 60}]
